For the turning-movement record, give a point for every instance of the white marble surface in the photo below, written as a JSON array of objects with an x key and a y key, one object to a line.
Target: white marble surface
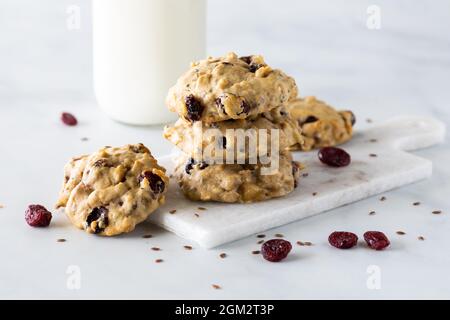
[{"x": 403, "y": 68}]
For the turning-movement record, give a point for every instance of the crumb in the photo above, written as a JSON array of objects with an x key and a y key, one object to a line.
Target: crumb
[
  {"x": 308, "y": 244},
  {"x": 1, "y": 206},
  {"x": 401, "y": 233},
  {"x": 373, "y": 140},
  {"x": 368, "y": 120},
  {"x": 173, "y": 211},
  {"x": 156, "y": 249},
  {"x": 300, "y": 243},
  {"x": 61, "y": 240},
  {"x": 216, "y": 286},
  {"x": 279, "y": 235},
  {"x": 416, "y": 204},
  {"x": 306, "y": 174},
  {"x": 383, "y": 198},
  {"x": 223, "y": 255},
  {"x": 187, "y": 247},
  {"x": 372, "y": 213},
  {"x": 159, "y": 260},
  {"x": 201, "y": 208},
  {"x": 256, "y": 252},
  {"x": 437, "y": 212},
  {"x": 197, "y": 215},
  {"x": 171, "y": 176},
  {"x": 314, "y": 194},
  {"x": 261, "y": 236},
  {"x": 373, "y": 155},
  {"x": 84, "y": 139},
  {"x": 147, "y": 236},
  {"x": 260, "y": 242},
  {"x": 421, "y": 238}
]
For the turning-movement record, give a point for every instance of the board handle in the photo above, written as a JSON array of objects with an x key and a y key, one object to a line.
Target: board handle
[{"x": 410, "y": 133}]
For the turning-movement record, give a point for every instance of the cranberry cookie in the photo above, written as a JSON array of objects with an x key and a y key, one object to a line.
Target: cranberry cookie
[
  {"x": 322, "y": 125},
  {"x": 229, "y": 87},
  {"x": 230, "y": 183},
  {"x": 110, "y": 191},
  {"x": 236, "y": 139}
]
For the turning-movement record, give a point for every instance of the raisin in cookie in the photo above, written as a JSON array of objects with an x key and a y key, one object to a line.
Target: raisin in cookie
[
  {"x": 322, "y": 125},
  {"x": 229, "y": 87},
  {"x": 231, "y": 183},
  {"x": 236, "y": 139},
  {"x": 110, "y": 191}
]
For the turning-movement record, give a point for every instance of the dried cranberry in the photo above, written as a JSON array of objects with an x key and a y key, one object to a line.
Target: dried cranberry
[
  {"x": 353, "y": 118},
  {"x": 194, "y": 108},
  {"x": 310, "y": 119},
  {"x": 69, "y": 119},
  {"x": 376, "y": 240},
  {"x": 247, "y": 59},
  {"x": 334, "y": 157},
  {"x": 37, "y": 216},
  {"x": 245, "y": 107},
  {"x": 343, "y": 240},
  {"x": 220, "y": 105},
  {"x": 189, "y": 166},
  {"x": 156, "y": 182},
  {"x": 99, "y": 215},
  {"x": 276, "y": 249},
  {"x": 254, "y": 67}
]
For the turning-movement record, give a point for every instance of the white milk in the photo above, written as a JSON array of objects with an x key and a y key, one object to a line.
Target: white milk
[{"x": 141, "y": 47}]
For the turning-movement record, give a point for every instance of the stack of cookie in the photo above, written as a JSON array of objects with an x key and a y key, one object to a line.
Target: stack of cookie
[{"x": 234, "y": 130}]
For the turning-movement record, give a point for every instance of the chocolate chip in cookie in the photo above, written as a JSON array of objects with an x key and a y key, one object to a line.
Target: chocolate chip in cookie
[
  {"x": 309, "y": 119},
  {"x": 245, "y": 108},
  {"x": 194, "y": 108}
]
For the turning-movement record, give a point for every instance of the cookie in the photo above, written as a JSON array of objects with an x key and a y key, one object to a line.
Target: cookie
[
  {"x": 229, "y": 87},
  {"x": 110, "y": 191},
  {"x": 236, "y": 139},
  {"x": 321, "y": 124},
  {"x": 232, "y": 183}
]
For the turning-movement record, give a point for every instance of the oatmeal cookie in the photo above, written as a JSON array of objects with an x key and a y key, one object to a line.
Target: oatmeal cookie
[
  {"x": 229, "y": 87},
  {"x": 231, "y": 183},
  {"x": 236, "y": 139},
  {"x": 322, "y": 125},
  {"x": 110, "y": 191}
]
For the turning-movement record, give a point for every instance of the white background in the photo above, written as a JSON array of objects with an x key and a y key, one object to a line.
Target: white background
[{"x": 403, "y": 68}]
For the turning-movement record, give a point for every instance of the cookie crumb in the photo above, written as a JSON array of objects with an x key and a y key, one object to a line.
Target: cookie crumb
[
  {"x": 260, "y": 242},
  {"x": 159, "y": 260},
  {"x": 223, "y": 255},
  {"x": 261, "y": 236},
  {"x": 436, "y": 212},
  {"x": 401, "y": 233},
  {"x": 421, "y": 238},
  {"x": 84, "y": 139},
  {"x": 187, "y": 247},
  {"x": 314, "y": 194},
  {"x": 373, "y": 140},
  {"x": 373, "y": 155},
  {"x": 308, "y": 244},
  {"x": 202, "y": 208},
  {"x": 416, "y": 204},
  {"x": 256, "y": 252},
  {"x": 216, "y": 286},
  {"x": 306, "y": 174},
  {"x": 383, "y": 198},
  {"x": 173, "y": 211},
  {"x": 156, "y": 249},
  {"x": 147, "y": 236},
  {"x": 197, "y": 215},
  {"x": 61, "y": 240},
  {"x": 368, "y": 120},
  {"x": 1, "y": 206},
  {"x": 372, "y": 213},
  {"x": 300, "y": 243},
  {"x": 279, "y": 235}
]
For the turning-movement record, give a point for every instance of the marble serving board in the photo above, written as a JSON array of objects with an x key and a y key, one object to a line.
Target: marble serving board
[{"x": 380, "y": 162}]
